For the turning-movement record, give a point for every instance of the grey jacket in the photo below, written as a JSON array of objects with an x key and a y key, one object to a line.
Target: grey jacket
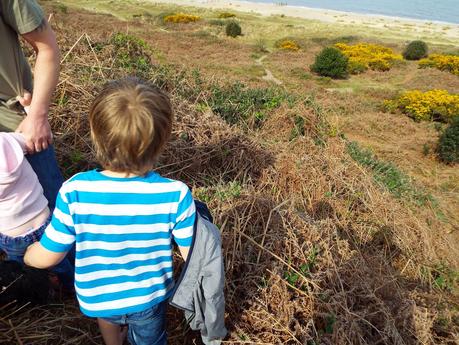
[{"x": 199, "y": 290}]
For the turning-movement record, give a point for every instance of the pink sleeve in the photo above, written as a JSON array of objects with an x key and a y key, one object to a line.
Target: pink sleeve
[
  {"x": 12, "y": 146},
  {"x": 19, "y": 138}
]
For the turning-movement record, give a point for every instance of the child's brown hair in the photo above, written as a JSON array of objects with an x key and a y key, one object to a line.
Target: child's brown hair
[{"x": 130, "y": 123}]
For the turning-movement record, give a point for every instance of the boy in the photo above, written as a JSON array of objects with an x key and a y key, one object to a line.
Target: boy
[{"x": 122, "y": 217}]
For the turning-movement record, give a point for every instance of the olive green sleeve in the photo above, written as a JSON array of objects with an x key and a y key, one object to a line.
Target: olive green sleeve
[{"x": 23, "y": 16}]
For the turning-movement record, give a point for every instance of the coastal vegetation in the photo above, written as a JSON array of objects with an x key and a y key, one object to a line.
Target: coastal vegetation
[
  {"x": 233, "y": 29},
  {"x": 288, "y": 44},
  {"x": 443, "y": 62},
  {"x": 225, "y": 15},
  {"x": 332, "y": 63},
  {"x": 181, "y": 18},
  {"x": 448, "y": 145},
  {"x": 364, "y": 56},
  {"x": 437, "y": 105},
  {"x": 339, "y": 220},
  {"x": 416, "y": 50}
]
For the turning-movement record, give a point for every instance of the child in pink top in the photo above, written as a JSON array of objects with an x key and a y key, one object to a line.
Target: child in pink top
[{"x": 24, "y": 212}]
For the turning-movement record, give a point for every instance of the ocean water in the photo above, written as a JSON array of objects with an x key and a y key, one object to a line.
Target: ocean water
[{"x": 434, "y": 10}]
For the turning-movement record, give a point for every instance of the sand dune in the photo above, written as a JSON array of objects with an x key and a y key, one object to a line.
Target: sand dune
[{"x": 446, "y": 30}]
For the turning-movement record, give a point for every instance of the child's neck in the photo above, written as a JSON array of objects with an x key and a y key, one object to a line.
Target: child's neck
[{"x": 117, "y": 174}]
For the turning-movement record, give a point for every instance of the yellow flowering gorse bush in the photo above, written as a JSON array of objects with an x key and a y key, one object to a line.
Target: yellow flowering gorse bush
[
  {"x": 181, "y": 18},
  {"x": 449, "y": 63},
  {"x": 365, "y": 56},
  {"x": 289, "y": 45},
  {"x": 225, "y": 15},
  {"x": 430, "y": 105}
]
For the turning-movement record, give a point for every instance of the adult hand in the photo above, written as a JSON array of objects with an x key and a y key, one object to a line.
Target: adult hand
[
  {"x": 37, "y": 132},
  {"x": 35, "y": 126},
  {"x": 26, "y": 99}
]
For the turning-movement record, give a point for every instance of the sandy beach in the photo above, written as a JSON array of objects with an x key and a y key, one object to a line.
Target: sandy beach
[{"x": 447, "y": 30}]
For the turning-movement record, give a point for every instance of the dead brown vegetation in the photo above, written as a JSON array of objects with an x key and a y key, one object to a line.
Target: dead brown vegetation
[{"x": 315, "y": 252}]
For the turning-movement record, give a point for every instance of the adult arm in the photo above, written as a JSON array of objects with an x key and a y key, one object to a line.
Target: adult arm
[{"x": 35, "y": 127}]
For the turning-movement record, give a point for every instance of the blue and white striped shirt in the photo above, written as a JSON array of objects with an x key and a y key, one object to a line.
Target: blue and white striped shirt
[{"x": 123, "y": 229}]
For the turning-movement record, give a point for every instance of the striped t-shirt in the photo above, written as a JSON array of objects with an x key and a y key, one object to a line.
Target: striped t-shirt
[{"x": 123, "y": 229}]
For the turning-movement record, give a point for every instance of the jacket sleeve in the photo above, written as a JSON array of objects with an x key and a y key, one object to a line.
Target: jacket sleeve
[{"x": 213, "y": 281}]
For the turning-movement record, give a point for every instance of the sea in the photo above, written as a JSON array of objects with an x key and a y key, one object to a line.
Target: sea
[{"x": 431, "y": 10}]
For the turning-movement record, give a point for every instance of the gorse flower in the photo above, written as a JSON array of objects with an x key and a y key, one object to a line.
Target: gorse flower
[
  {"x": 430, "y": 105},
  {"x": 289, "y": 45},
  {"x": 448, "y": 63},
  {"x": 364, "y": 56},
  {"x": 181, "y": 18}
]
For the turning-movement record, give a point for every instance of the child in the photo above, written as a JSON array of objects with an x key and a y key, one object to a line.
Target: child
[
  {"x": 122, "y": 217},
  {"x": 24, "y": 212}
]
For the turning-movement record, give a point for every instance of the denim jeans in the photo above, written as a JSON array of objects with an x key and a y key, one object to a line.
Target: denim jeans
[
  {"x": 15, "y": 248},
  {"x": 147, "y": 327},
  {"x": 45, "y": 166}
]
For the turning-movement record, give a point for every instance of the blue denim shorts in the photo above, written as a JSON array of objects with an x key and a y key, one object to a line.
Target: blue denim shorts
[
  {"x": 147, "y": 327},
  {"x": 15, "y": 248}
]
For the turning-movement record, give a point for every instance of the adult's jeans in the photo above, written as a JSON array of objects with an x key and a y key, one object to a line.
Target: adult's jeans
[{"x": 44, "y": 164}]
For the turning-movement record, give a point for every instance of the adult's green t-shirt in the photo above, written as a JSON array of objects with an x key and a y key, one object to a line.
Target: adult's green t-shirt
[{"x": 17, "y": 17}]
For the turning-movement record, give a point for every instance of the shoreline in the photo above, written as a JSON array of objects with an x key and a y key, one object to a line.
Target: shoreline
[{"x": 449, "y": 30}]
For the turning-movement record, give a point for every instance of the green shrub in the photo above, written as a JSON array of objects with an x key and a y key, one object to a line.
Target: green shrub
[
  {"x": 448, "y": 145},
  {"x": 233, "y": 29},
  {"x": 416, "y": 50},
  {"x": 331, "y": 62},
  {"x": 132, "y": 54},
  {"x": 237, "y": 103}
]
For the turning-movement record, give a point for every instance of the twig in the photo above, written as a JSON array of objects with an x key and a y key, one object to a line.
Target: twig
[
  {"x": 281, "y": 260},
  {"x": 267, "y": 226},
  {"x": 16, "y": 334},
  {"x": 71, "y": 49},
  {"x": 95, "y": 55}
]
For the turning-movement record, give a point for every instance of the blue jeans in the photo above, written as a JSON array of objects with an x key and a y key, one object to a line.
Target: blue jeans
[
  {"x": 45, "y": 166},
  {"x": 147, "y": 327},
  {"x": 15, "y": 248}
]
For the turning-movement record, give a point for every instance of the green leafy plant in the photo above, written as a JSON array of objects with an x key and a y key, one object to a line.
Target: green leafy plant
[
  {"x": 236, "y": 102},
  {"x": 298, "y": 128},
  {"x": 233, "y": 29},
  {"x": 304, "y": 270},
  {"x": 388, "y": 175},
  {"x": 131, "y": 54},
  {"x": 441, "y": 277},
  {"x": 415, "y": 50},
  {"x": 448, "y": 145},
  {"x": 331, "y": 62}
]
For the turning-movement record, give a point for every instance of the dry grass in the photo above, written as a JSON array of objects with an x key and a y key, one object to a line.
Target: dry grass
[{"x": 315, "y": 252}]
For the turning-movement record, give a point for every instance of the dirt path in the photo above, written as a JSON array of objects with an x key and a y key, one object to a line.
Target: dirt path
[{"x": 269, "y": 75}]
